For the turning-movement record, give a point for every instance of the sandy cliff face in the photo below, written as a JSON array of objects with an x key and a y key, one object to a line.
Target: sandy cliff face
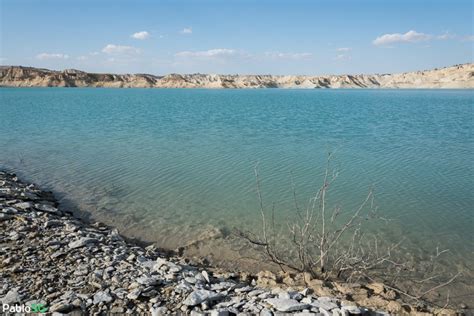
[{"x": 459, "y": 76}]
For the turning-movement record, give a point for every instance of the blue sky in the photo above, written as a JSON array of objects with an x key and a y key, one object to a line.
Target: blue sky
[{"x": 237, "y": 36}]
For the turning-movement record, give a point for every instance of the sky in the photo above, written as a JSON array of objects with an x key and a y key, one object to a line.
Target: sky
[{"x": 311, "y": 37}]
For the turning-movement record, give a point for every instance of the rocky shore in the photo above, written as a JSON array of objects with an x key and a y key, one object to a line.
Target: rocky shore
[
  {"x": 458, "y": 76},
  {"x": 50, "y": 259}
]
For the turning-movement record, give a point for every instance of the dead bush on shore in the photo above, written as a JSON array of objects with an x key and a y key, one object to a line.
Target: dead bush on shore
[{"x": 331, "y": 243}]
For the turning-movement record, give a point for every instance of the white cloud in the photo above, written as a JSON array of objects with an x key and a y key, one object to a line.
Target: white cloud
[
  {"x": 217, "y": 52},
  {"x": 294, "y": 56},
  {"x": 342, "y": 57},
  {"x": 343, "y": 54},
  {"x": 227, "y": 54},
  {"x": 46, "y": 56},
  {"x": 468, "y": 38},
  {"x": 187, "y": 30},
  {"x": 119, "y": 49},
  {"x": 446, "y": 36},
  {"x": 141, "y": 35},
  {"x": 408, "y": 37}
]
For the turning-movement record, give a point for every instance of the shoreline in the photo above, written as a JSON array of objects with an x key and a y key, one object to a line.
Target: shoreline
[{"x": 80, "y": 266}]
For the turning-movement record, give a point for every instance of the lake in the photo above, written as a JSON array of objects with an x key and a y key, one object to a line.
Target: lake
[{"x": 177, "y": 166}]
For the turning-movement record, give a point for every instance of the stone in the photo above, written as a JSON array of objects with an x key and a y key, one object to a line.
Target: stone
[
  {"x": 305, "y": 292},
  {"x": 377, "y": 288},
  {"x": 255, "y": 292},
  {"x": 266, "y": 312},
  {"x": 52, "y": 223},
  {"x": 149, "y": 264},
  {"x": 199, "y": 296},
  {"x": 393, "y": 307},
  {"x": 158, "y": 311},
  {"x": 351, "y": 309},
  {"x": 11, "y": 297},
  {"x": 5, "y": 217},
  {"x": 77, "y": 302},
  {"x": 117, "y": 310},
  {"x": 159, "y": 263},
  {"x": 389, "y": 295},
  {"x": 244, "y": 289},
  {"x": 46, "y": 208},
  {"x": 149, "y": 293},
  {"x": 327, "y": 305},
  {"x": 205, "y": 275},
  {"x": 133, "y": 295},
  {"x": 30, "y": 195},
  {"x": 325, "y": 312},
  {"x": 61, "y": 307},
  {"x": 23, "y": 205},
  {"x": 193, "y": 280},
  {"x": 319, "y": 288},
  {"x": 295, "y": 295},
  {"x": 115, "y": 236},
  {"x": 10, "y": 210},
  {"x": 286, "y": 305},
  {"x": 147, "y": 280},
  {"x": 219, "y": 313},
  {"x": 81, "y": 242},
  {"x": 102, "y": 296},
  {"x": 336, "y": 312}
]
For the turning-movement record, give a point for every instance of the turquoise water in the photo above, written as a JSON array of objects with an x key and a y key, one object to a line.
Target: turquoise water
[{"x": 171, "y": 165}]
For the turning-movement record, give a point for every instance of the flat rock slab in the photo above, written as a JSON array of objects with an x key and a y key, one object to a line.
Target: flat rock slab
[
  {"x": 81, "y": 242},
  {"x": 199, "y": 296},
  {"x": 287, "y": 304},
  {"x": 102, "y": 297},
  {"x": 46, "y": 208}
]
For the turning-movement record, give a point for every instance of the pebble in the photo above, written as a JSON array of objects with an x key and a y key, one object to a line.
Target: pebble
[
  {"x": 11, "y": 297},
  {"x": 199, "y": 296},
  {"x": 102, "y": 297},
  {"x": 61, "y": 307},
  {"x": 354, "y": 310},
  {"x": 286, "y": 304},
  {"x": 81, "y": 242},
  {"x": 46, "y": 208}
]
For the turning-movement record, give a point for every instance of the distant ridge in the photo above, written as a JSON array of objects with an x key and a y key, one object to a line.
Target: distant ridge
[{"x": 457, "y": 76}]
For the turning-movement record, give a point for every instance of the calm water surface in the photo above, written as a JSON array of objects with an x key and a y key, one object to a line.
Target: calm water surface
[{"x": 170, "y": 165}]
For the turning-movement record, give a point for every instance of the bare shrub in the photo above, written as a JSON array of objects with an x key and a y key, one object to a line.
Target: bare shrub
[{"x": 330, "y": 243}]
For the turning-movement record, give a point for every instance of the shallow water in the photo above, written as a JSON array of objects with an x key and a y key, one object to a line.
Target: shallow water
[{"x": 168, "y": 165}]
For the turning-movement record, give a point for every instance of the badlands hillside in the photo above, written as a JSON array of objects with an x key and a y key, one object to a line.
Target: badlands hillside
[{"x": 458, "y": 76}]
